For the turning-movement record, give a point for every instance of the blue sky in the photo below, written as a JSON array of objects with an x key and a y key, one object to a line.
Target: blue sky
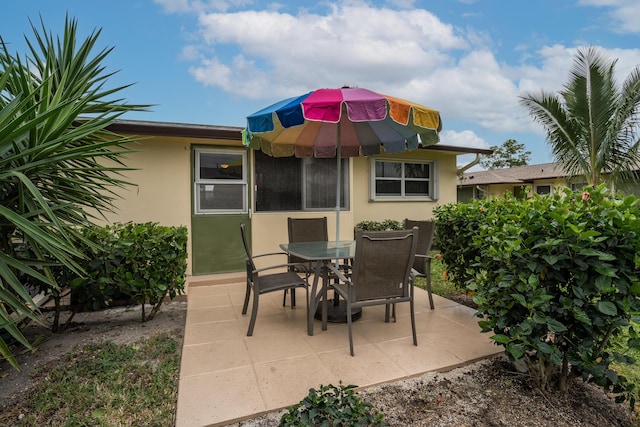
[{"x": 217, "y": 61}]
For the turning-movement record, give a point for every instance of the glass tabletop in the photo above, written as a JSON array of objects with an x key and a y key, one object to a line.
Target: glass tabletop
[{"x": 314, "y": 251}]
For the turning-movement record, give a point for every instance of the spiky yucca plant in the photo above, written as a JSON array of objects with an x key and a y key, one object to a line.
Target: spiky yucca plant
[{"x": 59, "y": 165}]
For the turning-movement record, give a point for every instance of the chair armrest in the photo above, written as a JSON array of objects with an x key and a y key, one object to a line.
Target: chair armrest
[
  {"x": 338, "y": 272},
  {"x": 290, "y": 264},
  {"x": 269, "y": 254},
  {"x": 426, "y": 260}
]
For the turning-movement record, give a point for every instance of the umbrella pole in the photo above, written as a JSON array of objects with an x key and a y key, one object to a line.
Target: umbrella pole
[
  {"x": 338, "y": 184},
  {"x": 336, "y": 298}
]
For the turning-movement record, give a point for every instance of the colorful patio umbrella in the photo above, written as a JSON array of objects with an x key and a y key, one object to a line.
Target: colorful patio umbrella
[{"x": 343, "y": 122}]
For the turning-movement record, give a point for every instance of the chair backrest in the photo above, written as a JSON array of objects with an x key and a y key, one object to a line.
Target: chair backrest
[
  {"x": 307, "y": 230},
  {"x": 250, "y": 265},
  {"x": 425, "y": 240},
  {"x": 382, "y": 263}
]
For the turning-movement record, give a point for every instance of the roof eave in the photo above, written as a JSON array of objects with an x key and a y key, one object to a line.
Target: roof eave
[
  {"x": 139, "y": 127},
  {"x": 457, "y": 150}
]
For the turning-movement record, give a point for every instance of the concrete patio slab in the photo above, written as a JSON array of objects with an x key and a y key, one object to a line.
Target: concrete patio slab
[{"x": 226, "y": 376}]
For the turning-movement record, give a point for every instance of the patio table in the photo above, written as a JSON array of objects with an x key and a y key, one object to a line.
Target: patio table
[{"x": 321, "y": 254}]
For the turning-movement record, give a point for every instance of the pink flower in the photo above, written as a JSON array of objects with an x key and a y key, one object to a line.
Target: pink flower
[{"x": 586, "y": 196}]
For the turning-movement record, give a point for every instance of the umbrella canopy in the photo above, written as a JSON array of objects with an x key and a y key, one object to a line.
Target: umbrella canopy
[
  {"x": 343, "y": 122},
  {"x": 355, "y": 121}
]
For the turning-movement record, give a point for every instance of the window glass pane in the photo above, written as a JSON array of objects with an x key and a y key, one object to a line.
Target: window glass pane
[
  {"x": 403, "y": 179},
  {"x": 416, "y": 170},
  {"x": 543, "y": 189},
  {"x": 388, "y": 187},
  {"x": 320, "y": 183},
  {"x": 465, "y": 194},
  {"x": 388, "y": 169},
  {"x": 221, "y": 166},
  {"x": 221, "y": 196},
  {"x": 578, "y": 186},
  {"x": 278, "y": 183},
  {"x": 416, "y": 188},
  {"x": 520, "y": 191}
]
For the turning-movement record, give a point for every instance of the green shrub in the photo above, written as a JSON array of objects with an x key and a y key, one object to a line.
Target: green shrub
[
  {"x": 556, "y": 279},
  {"x": 143, "y": 263},
  {"x": 456, "y": 226},
  {"x": 387, "y": 224},
  {"x": 332, "y": 406}
]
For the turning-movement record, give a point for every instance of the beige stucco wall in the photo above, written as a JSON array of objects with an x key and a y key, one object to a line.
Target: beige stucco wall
[
  {"x": 498, "y": 190},
  {"x": 368, "y": 210},
  {"x": 162, "y": 180}
]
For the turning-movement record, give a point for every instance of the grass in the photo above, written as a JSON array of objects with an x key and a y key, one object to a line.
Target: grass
[
  {"x": 108, "y": 384},
  {"x": 439, "y": 285},
  {"x": 631, "y": 372}
]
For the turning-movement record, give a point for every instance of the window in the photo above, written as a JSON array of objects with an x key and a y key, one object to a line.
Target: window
[
  {"x": 520, "y": 191},
  {"x": 575, "y": 186},
  {"x": 293, "y": 184},
  {"x": 220, "y": 181},
  {"x": 543, "y": 189},
  {"x": 394, "y": 179}
]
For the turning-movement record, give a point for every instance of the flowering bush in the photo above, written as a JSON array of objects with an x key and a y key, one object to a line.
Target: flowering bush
[
  {"x": 387, "y": 224},
  {"x": 556, "y": 279}
]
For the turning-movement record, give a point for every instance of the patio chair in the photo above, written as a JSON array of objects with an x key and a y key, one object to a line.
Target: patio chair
[
  {"x": 422, "y": 262},
  {"x": 305, "y": 230},
  {"x": 309, "y": 230},
  {"x": 380, "y": 274},
  {"x": 261, "y": 283}
]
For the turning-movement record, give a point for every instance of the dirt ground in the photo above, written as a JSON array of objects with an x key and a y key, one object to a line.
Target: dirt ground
[{"x": 485, "y": 393}]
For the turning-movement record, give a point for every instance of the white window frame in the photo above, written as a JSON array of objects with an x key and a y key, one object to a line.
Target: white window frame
[
  {"x": 197, "y": 181},
  {"x": 433, "y": 179}
]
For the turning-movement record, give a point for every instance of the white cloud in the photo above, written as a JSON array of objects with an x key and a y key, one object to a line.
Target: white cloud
[
  {"x": 625, "y": 14},
  {"x": 175, "y": 6},
  {"x": 185, "y": 6},
  {"x": 465, "y": 138},
  {"x": 557, "y": 61},
  {"x": 477, "y": 89},
  {"x": 304, "y": 51},
  {"x": 272, "y": 54},
  {"x": 405, "y": 4},
  {"x": 417, "y": 57}
]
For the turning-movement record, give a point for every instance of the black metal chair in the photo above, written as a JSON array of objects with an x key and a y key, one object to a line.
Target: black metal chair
[
  {"x": 422, "y": 262},
  {"x": 261, "y": 283},
  {"x": 304, "y": 230},
  {"x": 380, "y": 275},
  {"x": 311, "y": 230}
]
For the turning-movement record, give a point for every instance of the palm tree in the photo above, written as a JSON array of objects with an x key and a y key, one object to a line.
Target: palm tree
[
  {"x": 592, "y": 125},
  {"x": 59, "y": 165}
]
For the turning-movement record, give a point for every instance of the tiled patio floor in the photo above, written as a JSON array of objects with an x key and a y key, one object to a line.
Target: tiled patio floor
[{"x": 226, "y": 376}]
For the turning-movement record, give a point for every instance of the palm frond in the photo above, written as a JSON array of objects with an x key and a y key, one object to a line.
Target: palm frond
[
  {"x": 600, "y": 119},
  {"x": 59, "y": 164}
]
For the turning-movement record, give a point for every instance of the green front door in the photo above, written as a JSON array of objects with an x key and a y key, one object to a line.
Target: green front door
[{"x": 220, "y": 204}]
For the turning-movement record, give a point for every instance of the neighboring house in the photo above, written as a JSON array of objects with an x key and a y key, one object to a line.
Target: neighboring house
[
  {"x": 522, "y": 181},
  {"x": 203, "y": 177}
]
